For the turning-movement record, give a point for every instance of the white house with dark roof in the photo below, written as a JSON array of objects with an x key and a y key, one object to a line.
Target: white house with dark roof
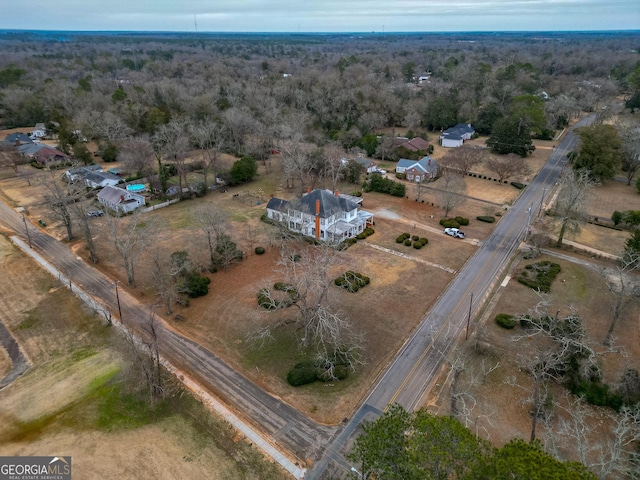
[
  {"x": 120, "y": 200},
  {"x": 455, "y": 136},
  {"x": 421, "y": 170},
  {"x": 321, "y": 214}
]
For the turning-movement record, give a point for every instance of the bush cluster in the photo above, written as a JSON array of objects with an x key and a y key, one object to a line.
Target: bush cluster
[
  {"x": 540, "y": 275},
  {"x": 408, "y": 240},
  {"x": 352, "y": 281},
  {"x": 505, "y": 321},
  {"x": 304, "y": 373},
  {"x": 486, "y": 218},
  {"x": 301, "y": 374},
  {"x": 454, "y": 222},
  {"x": 378, "y": 183},
  {"x": 365, "y": 233}
]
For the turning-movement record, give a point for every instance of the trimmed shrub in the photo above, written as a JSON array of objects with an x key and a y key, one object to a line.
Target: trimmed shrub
[
  {"x": 540, "y": 275},
  {"x": 417, "y": 245},
  {"x": 486, "y": 218},
  {"x": 518, "y": 185},
  {"x": 259, "y": 250},
  {"x": 347, "y": 242},
  {"x": 340, "y": 372},
  {"x": 400, "y": 239},
  {"x": 505, "y": 321},
  {"x": 462, "y": 221},
  {"x": 424, "y": 241},
  {"x": 196, "y": 285},
  {"x": 407, "y": 242},
  {"x": 415, "y": 238},
  {"x": 451, "y": 224},
  {"x": 302, "y": 373}
]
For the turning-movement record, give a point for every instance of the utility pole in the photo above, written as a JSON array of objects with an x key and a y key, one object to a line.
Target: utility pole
[
  {"x": 118, "y": 300},
  {"x": 27, "y": 230},
  {"x": 466, "y": 336}
]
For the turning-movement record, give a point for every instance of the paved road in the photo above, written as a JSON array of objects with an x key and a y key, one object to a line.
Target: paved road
[
  {"x": 288, "y": 429},
  {"x": 405, "y": 380},
  {"x": 417, "y": 364}
]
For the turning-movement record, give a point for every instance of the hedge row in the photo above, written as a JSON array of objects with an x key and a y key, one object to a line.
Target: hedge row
[
  {"x": 304, "y": 373},
  {"x": 486, "y": 218},
  {"x": 454, "y": 222}
]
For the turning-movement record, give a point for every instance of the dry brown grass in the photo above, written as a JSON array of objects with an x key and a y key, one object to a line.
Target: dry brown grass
[{"x": 506, "y": 406}]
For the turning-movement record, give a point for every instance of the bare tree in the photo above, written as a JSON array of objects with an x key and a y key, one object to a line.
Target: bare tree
[
  {"x": 165, "y": 273},
  {"x": 630, "y": 149},
  {"x": 130, "y": 236},
  {"x": 334, "y": 167},
  {"x": 609, "y": 454},
  {"x": 622, "y": 288},
  {"x": 558, "y": 340},
  {"x": 111, "y": 127},
  {"x": 59, "y": 195},
  {"x": 209, "y": 137},
  {"x": 386, "y": 147},
  {"x": 137, "y": 156},
  {"x": 11, "y": 158},
  {"x": 223, "y": 252},
  {"x": 80, "y": 210},
  {"x": 298, "y": 164},
  {"x": 172, "y": 142},
  {"x": 450, "y": 190},
  {"x": 571, "y": 204},
  {"x": 506, "y": 167},
  {"x": 322, "y": 325},
  {"x": 463, "y": 159},
  {"x": 146, "y": 353}
]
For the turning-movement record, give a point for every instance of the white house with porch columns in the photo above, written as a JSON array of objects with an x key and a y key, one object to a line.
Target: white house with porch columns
[{"x": 321, "y": 214}]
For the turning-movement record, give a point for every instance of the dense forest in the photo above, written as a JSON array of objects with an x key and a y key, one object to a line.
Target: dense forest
[{"x": 245, "y": 94}]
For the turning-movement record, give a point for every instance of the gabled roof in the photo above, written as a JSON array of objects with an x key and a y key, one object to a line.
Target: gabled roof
[
  {"x": 278, "y": 204},
  {"x": 47, "y": 153},
  {"x": 98, "y": 177},
  {"x": 19, "y": 137},
  {"x": 112, "y": 195},
  {"x": 459, "y": 130},
  {"x": 30, "y": 148},
  {"x": 365, "y": 162},
  {"x": 330, "y": 204},
  {"x": 425, "y": 164}
]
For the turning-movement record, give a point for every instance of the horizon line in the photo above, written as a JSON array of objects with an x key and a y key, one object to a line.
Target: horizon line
[{"x": 311, "y": 32}]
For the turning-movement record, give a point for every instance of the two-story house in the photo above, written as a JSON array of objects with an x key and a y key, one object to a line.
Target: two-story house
[{"x": 321, "y": 214}]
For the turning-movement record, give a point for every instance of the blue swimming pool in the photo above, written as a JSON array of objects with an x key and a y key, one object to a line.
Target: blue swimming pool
[{"x": 136, "y": 187}]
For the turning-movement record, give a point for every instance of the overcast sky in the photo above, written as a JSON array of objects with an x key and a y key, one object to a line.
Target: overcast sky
[{"x": 320, "y": 15}]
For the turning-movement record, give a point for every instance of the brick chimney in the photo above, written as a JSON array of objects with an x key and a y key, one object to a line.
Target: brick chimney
[
  {"x": 336, "y": 193},
  {"x": 318, "y": 219},
  {"x": 308, "y": 190}
]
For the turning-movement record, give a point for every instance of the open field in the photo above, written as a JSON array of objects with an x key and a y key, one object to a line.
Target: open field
[{"x": 77, "y": 400}]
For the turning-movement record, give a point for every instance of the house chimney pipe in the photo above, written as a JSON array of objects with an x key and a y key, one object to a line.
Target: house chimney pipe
[
  {"x": 318, "y": 219},
  {"x": 337, "y": 193}
]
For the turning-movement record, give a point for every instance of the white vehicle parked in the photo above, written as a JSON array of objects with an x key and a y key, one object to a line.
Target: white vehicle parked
[{"x": 454, "y": 232}]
